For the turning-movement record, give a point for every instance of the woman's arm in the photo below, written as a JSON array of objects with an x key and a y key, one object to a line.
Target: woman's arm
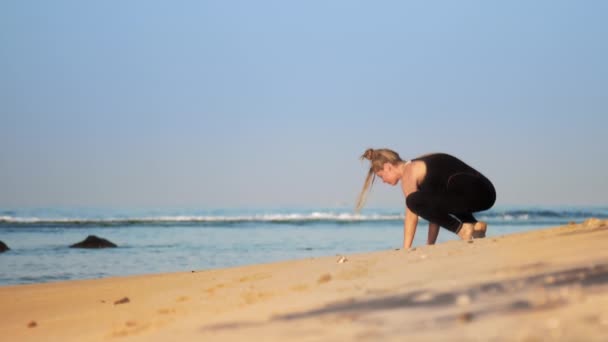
[
  {"x": 409, "y": 228},
  {"x": 409, "y": 184}
]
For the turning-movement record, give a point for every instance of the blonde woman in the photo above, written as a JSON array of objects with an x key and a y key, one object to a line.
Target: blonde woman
[{"x": 438, "y": 187}]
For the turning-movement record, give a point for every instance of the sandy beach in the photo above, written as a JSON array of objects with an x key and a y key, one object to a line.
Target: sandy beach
[{"x": 549, "y": 284}]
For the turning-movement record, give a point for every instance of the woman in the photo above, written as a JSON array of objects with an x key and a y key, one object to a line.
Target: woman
[{"x": 438, "y": 187}]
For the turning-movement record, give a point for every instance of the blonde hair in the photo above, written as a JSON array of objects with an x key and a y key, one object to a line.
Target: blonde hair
[{"x": 377, "y": 160}]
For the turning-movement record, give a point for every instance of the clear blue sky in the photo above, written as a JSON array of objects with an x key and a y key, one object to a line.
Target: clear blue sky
[{"x": 270, "y": 103}]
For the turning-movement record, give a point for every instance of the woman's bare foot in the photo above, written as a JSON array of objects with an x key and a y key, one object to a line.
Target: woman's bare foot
[
  {"x": 479, "y": 230},
  {"x": 466, "y": 231}
]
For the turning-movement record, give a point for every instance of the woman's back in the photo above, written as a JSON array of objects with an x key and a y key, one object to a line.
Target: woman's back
[{"x": 439, "y": 168}]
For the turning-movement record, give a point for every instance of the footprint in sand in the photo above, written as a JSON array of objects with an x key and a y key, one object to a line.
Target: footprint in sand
[
  {"x": 130, "y": 323},
  {"x": 252, "y": 297},
  {"x": 166, "y": 311},
  {"x": 299, "y": 288},
  {"x": 132, "y": 328},
  {"x": 258, "y": 276}
]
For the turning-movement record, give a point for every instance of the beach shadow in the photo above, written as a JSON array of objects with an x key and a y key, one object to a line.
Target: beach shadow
[
  {"x": 581, "y": 277},
  {"x": 413, "y": 299}
]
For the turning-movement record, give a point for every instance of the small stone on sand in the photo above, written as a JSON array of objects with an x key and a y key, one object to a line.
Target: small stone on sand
[
  {"x": 122, "y": 301},
  {"x": 463, "y": 299},
  {"x": 425, "y": 297},
  {"x": 465, "y": 317},
  {"x": 324, "y": 278},
  {"x": 32, "y": 324}
]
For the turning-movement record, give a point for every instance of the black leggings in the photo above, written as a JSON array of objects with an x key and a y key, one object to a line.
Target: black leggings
[{"x": 465, "y": 194}]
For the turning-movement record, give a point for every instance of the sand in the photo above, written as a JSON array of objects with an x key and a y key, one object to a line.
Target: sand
[{"x": 549, "y": 284}]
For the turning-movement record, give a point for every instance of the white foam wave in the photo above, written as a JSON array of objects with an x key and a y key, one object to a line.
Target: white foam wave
[{"x": 293, "y": 217}]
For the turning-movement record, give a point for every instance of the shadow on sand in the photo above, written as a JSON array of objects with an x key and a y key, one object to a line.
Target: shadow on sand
[{"x": 579, "y": 277}]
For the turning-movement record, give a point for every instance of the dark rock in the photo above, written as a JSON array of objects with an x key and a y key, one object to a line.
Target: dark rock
[
  {"x": 93, "y": 241},
  {"x": 3, "y": 247}
]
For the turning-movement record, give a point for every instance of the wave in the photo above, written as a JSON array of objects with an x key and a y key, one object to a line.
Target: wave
[
  {"x": 315, "y": 217},
  {"x": 517, "y": 216}
]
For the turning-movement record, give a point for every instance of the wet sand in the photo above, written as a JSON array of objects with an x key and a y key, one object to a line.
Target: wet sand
[{"x": 549, "y": 284}]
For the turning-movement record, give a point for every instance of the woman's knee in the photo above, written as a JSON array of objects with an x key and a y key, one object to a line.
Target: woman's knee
[
  {"x": 416, "y": 202},
  {"x": 488, "y": 197}
]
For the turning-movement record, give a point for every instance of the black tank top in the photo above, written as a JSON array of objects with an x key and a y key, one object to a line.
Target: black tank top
[{"x": 439, "y": 168}]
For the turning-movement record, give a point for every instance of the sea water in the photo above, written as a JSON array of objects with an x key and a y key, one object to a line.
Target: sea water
[{"x": 173, "y": 240}]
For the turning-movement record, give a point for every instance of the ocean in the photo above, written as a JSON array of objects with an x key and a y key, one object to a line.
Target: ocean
[{"x": 173, "y": 240}]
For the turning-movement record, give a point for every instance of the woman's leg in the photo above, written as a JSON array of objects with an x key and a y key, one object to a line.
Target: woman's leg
[
  {"x": 465, "y": 217},
  {"x": 476, "y": 192},
  {"x": 433, "y": 233},
  {"x": 483, "y": 196},
  {"x": 434, "y": 207},
  {"x": 464, "y": 195}
]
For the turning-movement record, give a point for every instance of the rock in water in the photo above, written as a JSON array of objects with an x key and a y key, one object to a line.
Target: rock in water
[
  {"x": 93, "y": 241},
  {"x": 3, "y": 247}
]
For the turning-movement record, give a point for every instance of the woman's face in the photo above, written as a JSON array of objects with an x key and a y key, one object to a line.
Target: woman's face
[{"x": 389, "y": 174}]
